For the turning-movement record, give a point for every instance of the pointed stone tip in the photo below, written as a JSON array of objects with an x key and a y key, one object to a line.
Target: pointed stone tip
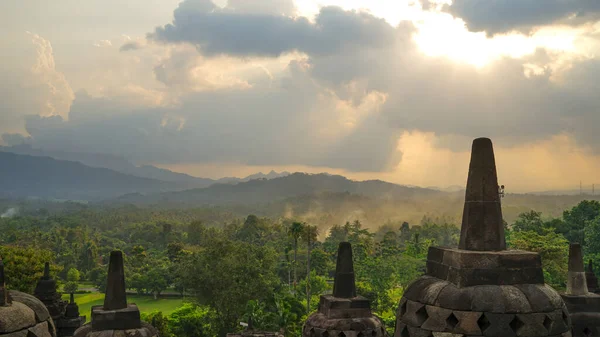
[
  {"x": 575, "y": 258},
  {"x": 482, "y": 227},
  {"x": 344, "y": 284},
  {"x": 2, "y": 280},
  {"x": 116, "y": 297},
  {"x": 590, "y": 266},
  {"x": 72, "y": 298},
  {"x": 47, "y": 270}
]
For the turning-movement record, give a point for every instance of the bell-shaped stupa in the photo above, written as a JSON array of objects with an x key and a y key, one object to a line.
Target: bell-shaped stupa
[
  {"x": 22, "y": 314},
  {"x": 481, "y": 288},
  {"x": 116, "y": 317},
  {"x": 344, "y": 313},
  {"x": 584, "y": 306}
]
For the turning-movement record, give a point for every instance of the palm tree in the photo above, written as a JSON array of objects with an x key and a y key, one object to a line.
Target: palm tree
[
  {"x": 309, "y": 234},
  {"x": 295, "y": 231}
]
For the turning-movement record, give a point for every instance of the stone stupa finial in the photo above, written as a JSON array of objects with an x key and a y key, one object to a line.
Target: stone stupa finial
[
  {"x": 4, "y": 298},
  {"x": 115, "y": 298},
  {"x": 46, "y": 271},
  {"x": 590, "y": 266},
  {"x": 482, "y": 227},
  {"x": 576, "y": 282},
  {"x": 344, "y": 284}
]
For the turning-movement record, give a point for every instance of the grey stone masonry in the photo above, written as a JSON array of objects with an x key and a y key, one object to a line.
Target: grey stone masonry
[
  {"x": 480, "y": 288},
  {"x": 45, "y": 291},
  {"x": 22, "y": 315},
  {"x": 344, "y": 313},
  {"x": 116, "y": 317},
  {"x": 583, "y": 306}
]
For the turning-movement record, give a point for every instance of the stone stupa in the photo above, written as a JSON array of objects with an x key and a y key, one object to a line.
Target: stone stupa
[
  {"x": 45, "y": 291},
  {"x": 22, "y": 315},
  {"x": 584, "y": 306},
  {"x": 344, "y": 314},
  {"x": 116, "y": 317},
  {"x": 481, "y": 288}
]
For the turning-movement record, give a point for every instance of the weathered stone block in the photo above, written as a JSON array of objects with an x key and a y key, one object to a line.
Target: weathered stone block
[
  {"x": 120, "y": 319},
  {"x": 439, "y": 319},
  {"x": 468, "y": 322}
]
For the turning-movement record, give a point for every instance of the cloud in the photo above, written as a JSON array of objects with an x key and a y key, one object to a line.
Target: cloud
[
  {"x": 131, "y": 46},
  {"x": 38, "y": 88},
  {"x": 343, "y": 100},
  {"x": 503, "y": 16},
  {"x": 103, "y": 43},
  {"x": 216, "y": 31}
]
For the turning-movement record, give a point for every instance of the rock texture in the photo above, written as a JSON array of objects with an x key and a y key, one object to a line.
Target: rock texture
[
  {"x": 45, "y": 291},
  {"x": 480, "y": 288},
  {"x": 583, "y": 306},
  {"x": 116, "y": 317},
  {"x": 344, "y": 314},
  {"x": 22, "y": 315}
]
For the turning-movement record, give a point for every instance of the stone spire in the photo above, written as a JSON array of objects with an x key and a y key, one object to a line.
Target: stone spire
[
  {"x": 4, "y": 298},
  {"x": 116, "y": 317},
  {"x": 576, "y": 282},
  {"x": 482, "y": 226},
  {"x": 46, "y": 271},
  {"x": 344, "y": 313},
  {"x": 116, "y": 297},
  {"x": 344, "y": 285}
]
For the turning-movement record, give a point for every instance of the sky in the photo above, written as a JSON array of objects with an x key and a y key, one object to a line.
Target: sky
[{"x": 371, "y": 89}]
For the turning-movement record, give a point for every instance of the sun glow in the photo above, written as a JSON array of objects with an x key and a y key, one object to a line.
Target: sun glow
[{"x": 439, "y": 34}]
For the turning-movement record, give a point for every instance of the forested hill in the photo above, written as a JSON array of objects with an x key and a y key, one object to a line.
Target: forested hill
[
  {"x": 45, "y": 177},
  {"x": 261, "y": 191}
]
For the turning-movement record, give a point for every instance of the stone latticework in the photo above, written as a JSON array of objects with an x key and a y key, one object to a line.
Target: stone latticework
[
  {"x": 480, "y": 288},
  {"x": 116, "y": 317},
  {"x": 22, "y": 315},
  {"x": 45, "y": 291},
  {"x": 584, "y": 306},
  {"x": 344, "y": 314}
]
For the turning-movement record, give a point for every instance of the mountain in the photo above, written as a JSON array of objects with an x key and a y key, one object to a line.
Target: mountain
[
  {"x": 270, "y": 190},
  {"x": 115, "y": 163},
  {"x": 123, "y": 165},
  {"x": 45, "y": 177}
]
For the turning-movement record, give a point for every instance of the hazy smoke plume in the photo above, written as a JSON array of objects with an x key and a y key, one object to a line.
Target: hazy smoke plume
[{"x": 10, "y": 213}]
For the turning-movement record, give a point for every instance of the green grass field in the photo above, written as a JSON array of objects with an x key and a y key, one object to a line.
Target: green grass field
[{"x": 145, "y": 303}]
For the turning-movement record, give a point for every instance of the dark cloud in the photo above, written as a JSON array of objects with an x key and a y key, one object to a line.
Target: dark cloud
[
  {"x": 217, "y": 31},
  {"x": 502, "y": 16},
  {"x": 130, "y": 46}
]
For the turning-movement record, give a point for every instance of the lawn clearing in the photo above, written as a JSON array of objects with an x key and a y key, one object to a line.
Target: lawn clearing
[{"x": 145, "y": 303}]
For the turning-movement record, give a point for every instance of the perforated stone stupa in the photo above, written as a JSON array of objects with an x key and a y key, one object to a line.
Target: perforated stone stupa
[
  {"x": 116, "y": 317},
  {"x": 22, "y": 315},
  {"x": 344, "y": 314},
  {"x": 584, "y": 306},
  {"x": 45, "y": 291},
  {"x": 480, "y": 288}
]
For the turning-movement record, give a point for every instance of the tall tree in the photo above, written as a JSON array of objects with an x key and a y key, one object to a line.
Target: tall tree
[
  {"x": 309, "y": 234},
  {"x": 295, "y": 231}
]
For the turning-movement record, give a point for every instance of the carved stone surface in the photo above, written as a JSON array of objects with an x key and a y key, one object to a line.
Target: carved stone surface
[
  {"x": 25, "y": 318},
  {"x": 116, "y": 317},
  {"x": 481, "y": 289},
  {"x": 344, "y": 314},
  {"x": 482, "y": 227},
  {"x": 583, "y": 306}
]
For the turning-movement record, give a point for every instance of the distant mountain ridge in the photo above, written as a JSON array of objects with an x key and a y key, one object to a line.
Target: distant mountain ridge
[
  {"x": 265, "y": 191},
  {"x": 122, "y": 165},
  {"x": 33, "y": 176}
]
